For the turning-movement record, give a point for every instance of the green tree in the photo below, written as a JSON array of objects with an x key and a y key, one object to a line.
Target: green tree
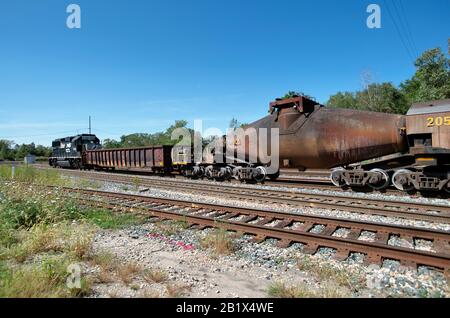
[
  {"x": 432, "y": 78},
  {"x": 6, "y": 152},
  {"x": 343, "y": 100},
  {"x": 42, "y": 151},
  {"x": 10, "y": 151},
  {"x": 23, "y": 150},
  {"x": 431, "y": 81},
  {"x": 135, "y": 140},
  {"x": 383, "y": 97},
  {"x": 111, "y": 143}
]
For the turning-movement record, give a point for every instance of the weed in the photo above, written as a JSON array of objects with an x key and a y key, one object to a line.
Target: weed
[
  {"x": 109, "y": 220},
  {"x": 136, "y": 183},
  {"x": 104, "y": 277},
  {"x": 176, "y": 291},
  {"x": 219, "y": 241},
  {"x": 148, "y": 293},
  {"x": 80, "y": 246},
  {"x": 155, "y": 276},
  {"x": 105, "y": 260},
  {"x": 126, "y": 272},
  {"x": 281, "y": 290}
]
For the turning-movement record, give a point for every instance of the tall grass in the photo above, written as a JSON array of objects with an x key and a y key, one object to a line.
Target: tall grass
[
  {"x": 32, "y": 175},
  {"x": 42, "y": 232},
  {"x": 46, "y": 279}
]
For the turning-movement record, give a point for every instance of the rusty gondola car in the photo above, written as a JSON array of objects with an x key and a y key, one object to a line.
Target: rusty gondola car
[{"x": 157, "y": 159}]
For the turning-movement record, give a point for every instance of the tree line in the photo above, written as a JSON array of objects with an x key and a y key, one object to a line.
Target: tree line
[
  {"x": 431, "y": 81},
  {"x": 11, "y": 151}
]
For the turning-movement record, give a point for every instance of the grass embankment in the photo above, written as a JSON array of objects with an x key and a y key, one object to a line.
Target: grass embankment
[
  {"x": 43, "y": 233},
  {"x": 30, "y": 174}
]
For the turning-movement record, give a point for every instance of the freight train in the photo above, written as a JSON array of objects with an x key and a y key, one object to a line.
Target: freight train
[{"x": 363, "y": 149}]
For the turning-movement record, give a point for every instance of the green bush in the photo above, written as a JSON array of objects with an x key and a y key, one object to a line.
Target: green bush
[{"x": 18, "y": 214}]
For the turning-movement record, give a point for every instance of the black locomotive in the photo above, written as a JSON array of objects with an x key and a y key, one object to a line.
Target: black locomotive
[{"x": 68, "y": 151}]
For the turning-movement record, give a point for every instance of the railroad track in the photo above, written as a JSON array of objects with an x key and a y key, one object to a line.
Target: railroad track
[
  {"x": 304, "y": 181},
  {"x": 287, "y": 228},
  {"x": 300, "y": 181},
  {"x": 409, "y": 210}
]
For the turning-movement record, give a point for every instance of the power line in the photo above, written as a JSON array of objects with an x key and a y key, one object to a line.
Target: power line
[
  {"x": 404, "y": 23},
  {"x": 399, "y": 32},
  {"x": 408, "y": 25}
]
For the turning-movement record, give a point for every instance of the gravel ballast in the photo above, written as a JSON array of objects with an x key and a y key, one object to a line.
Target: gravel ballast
[{"x": 252, "y": 268}]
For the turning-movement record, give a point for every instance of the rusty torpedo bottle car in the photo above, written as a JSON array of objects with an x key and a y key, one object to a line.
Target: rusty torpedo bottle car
[{"x": 312, "y": 136}]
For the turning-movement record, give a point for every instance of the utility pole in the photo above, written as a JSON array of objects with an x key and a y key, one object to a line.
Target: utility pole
[{"x": 89, "y": 125}]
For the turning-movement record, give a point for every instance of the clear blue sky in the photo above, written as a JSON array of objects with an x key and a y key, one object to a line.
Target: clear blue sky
[{"x": 136, "y": 66}]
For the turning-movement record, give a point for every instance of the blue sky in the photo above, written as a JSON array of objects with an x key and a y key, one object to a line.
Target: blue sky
[{"x": 136, "y": 66}]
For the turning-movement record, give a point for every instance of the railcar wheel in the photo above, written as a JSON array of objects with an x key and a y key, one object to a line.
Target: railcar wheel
[
  {"x": 208, "y": 173},
  {"x": 261, "y": 175},
  {"x": 336, "y": 177},
  {"x": 400, "y": 180},
  {"x": 381, "y": 181}
]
